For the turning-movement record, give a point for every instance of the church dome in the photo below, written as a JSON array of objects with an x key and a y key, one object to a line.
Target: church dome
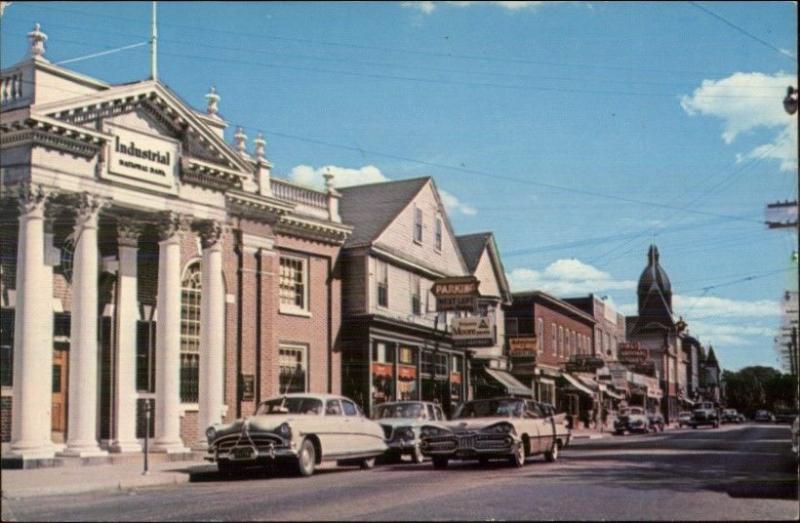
[{"x": 654, "y": 277}]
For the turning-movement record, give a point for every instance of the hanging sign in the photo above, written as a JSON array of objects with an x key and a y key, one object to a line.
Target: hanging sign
[
  {"x": 523, "y": 347},
  {"x": 456, "y": 294},
  {"x": 473, "y": 330}
]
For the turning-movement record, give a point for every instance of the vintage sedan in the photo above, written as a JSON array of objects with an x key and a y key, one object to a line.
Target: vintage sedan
[
  {"x": 705, "y": 413},
  {"x": 500, "y": 428},
  {"x": 684, "y": 418},
  {"x": 631, "y": 419},
  {"x": 301, "y": 429},
  {"x": 401, "y": 422}
]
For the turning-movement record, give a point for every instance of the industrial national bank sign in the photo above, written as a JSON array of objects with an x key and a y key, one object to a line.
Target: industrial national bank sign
[{"x": 142, "y": 159}]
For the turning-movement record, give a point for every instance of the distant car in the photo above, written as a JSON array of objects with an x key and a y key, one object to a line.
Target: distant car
[
  {"x": 764, "y": 416},
  {"x": 705, "y": 413},
  {"x": 796, "y": 437},
  {"x": 656, "y": 421},
  {"x": 684, "y": 418},
  {"x": 302, "y": 429},
  {"x": 785, "y": 416},
  {"x": 731, "y": 416},
  {"x": 631, "y": 419},
  {"x": 401, "y": 422},
  {"x": 498, "y": 428}
]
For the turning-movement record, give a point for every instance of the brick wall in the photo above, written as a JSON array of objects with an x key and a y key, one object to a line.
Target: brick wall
[{"x": 190, "y": 432}]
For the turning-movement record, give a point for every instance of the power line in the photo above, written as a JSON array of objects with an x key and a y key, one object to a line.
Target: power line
[{"x": 782, "y": 52}]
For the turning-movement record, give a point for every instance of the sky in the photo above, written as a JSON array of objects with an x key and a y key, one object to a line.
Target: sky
[{"x": 578, "y": 132}]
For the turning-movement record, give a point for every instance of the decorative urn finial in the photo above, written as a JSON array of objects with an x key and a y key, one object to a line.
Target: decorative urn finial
[
  {"x": 328, "y": 175},
  {"x": 261, "y": 146},
  {"x": 213, "y": 102},
  {"x": 240, "y": 139},
  {"x": 37, "y": 39}
]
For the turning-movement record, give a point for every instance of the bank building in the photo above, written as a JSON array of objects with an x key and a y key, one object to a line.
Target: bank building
[{"x": 149, "y": 265}]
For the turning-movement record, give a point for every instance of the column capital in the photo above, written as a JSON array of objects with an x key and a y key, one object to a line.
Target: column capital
[
  {"x": 210, "y": 232},
  {"x": 32, "y": 198},
  {"x": 88, "y": 210},
  {"x": 128, "y": 232},
  {"x": 172, "y": 225}
]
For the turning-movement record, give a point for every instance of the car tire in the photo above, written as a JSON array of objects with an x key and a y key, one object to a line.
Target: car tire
[
  {"x": 306, "y": 458},
  {"x": 417, "y": 456},
  {"x": 551, "y": 456},
  {"x": 517, "y": 459},
  {"x": 440, "y": 462}
]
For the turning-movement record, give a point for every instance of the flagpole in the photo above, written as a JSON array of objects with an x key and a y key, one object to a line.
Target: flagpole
[{"x": 154, "y": 47}]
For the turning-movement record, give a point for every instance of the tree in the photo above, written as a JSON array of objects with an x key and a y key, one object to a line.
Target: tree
[{"x": 758, "y": 387}]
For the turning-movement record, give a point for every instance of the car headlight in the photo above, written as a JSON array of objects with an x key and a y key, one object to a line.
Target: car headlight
[
  {"x": 284, "y": 430},
  {"x": 211, "y": 433},
  {"x": 500, "y": 428}
]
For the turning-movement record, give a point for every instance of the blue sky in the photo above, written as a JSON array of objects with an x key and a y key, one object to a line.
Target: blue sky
[{"x": 578, "y": 132}]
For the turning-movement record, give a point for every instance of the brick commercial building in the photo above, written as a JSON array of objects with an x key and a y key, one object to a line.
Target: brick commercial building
[{"x": 147, "y": 260}]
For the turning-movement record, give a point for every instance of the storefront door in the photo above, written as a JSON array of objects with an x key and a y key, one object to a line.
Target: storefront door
[{"x": 59, "y": 407}]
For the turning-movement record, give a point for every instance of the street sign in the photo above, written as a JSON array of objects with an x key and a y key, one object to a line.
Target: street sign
[
  {"x": 456, "y": 294},
  {"x": 473, "y": 330}
]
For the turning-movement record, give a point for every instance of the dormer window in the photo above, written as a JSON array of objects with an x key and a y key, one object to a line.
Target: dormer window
[{"x": 417, "y": 225}]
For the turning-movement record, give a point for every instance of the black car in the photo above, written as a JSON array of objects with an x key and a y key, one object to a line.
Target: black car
[{"x": 764, "y": 416}]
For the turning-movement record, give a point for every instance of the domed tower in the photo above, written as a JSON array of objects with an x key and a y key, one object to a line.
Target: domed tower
[{"x": 655, "y": 291}]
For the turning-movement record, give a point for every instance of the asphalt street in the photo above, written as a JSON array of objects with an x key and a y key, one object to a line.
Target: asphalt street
[{"x": 736, "y": 472}]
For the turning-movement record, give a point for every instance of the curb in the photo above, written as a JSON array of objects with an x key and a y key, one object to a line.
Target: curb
[
  {"x": 120, "y": 485},
  {"x": 589, "y": 436}
]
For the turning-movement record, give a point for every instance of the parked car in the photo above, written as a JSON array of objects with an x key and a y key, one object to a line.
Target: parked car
[
  {"x": 785, "y": 416},
  {"x": 796, "y": 438},
  {"x": 684, "y": 419},
  {"x": 510, "y": 428},
  {"x": 301, "y": 429},
  {"x": 764, "y": 416},
  {"x": 656, "y": 421},
  {"x": 731, "y": 416},
  {"x": 401, "y": 422},
  {"x": 705, "y": 413},
  {"x": 631, "y": 419}
]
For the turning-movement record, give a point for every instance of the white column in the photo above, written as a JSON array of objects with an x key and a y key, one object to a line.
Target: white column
[
  {"x": 168, "y": 339},
  {"x": 83, "y": 351},
  {"x": 126, "y": 312},
  {"x": 33, "y": 334},
  {"x": 212, "y": 332}
]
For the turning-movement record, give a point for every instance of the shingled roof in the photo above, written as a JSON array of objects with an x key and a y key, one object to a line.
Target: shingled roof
[
  {"x": 472, "y": 246},
  {"x": 371, "y": 208}
]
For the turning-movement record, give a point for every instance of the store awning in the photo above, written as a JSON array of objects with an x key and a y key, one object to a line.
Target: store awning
[
  {"x": 611, "y": 394},
  {"x": 577, "y": 384},
  {"x": 509, "y": 382}
]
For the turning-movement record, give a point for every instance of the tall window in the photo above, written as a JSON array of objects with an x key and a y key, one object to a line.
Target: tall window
[
  {"x": 294, "y": 283},
  {"x": 540, "y": 334},
  {"x": 417, "y": 225},
  {"x": 6, "y": 347},
  {"x": 190, "y": 333},
  {"x": 560, "y": 341},
  {"x": 438, "y": 237},
  {"x": 382, "y": 277},
  {"x": 416, "y": 294},
  {"x": 440, "y": 365},
  {"x": 554, "y": 332},
  {"x": 293, "y": 369}
]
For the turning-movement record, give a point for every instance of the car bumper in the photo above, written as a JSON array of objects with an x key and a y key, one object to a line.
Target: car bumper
[
  {"x": 255, "y": 455},
  {"x": 402, "y": 446},
  {"x": 470, "y": 448}
]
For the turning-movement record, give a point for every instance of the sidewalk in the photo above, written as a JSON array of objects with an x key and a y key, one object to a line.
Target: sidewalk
[
  {"x": 75, "y": 480},
  {"x": 589, "y": 434}
]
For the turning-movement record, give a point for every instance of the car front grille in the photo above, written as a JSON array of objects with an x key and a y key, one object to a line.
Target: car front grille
[{"x": 259, "y": 441}]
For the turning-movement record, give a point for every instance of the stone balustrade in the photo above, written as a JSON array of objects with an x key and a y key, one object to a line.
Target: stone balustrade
[{"x": 11, "y": 87}]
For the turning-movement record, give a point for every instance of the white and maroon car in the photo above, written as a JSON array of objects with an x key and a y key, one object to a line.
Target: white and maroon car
[
  {"x": 301, "y": 429},
  {"x": 500, "y": 428}
]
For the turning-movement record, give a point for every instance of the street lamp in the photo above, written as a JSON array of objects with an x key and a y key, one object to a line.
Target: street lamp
[{"x": 790, "y": 102}]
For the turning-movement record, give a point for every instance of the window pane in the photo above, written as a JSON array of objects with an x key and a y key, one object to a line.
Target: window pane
[{"x": 292, "y": 362}]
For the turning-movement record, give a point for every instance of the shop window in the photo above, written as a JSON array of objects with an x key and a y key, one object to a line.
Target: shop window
[
  {"x": 438, "y": 236},
  {"x": 6, "y": 347},
  {"x": 416, "y": 294},
  {"x": 440, "y": 365},
  {"x": 146, "y": 356},
  {"x": 294, "y": 283},
  {"x": 292, "y": 361},
  {"x": 382, "y": 277},
  {"x": 191, "y": 291},
  {"x": 427, "y": 362},
  {"x": 407, "y": 355},
  {"x": 417, "y": 225},
  {"x": 407, "y": 373}
]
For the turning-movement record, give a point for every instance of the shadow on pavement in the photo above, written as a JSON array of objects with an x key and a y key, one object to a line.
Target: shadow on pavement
[{"x": 210, "y": 474}]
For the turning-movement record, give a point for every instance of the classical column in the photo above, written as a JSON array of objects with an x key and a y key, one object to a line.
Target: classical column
[
  {"x": 83, "y": 352},
  {"x": 127, "y": 311},
  {"x": 33, "y": 333},
  {"x": 168, "y": 338},
  {"x": 212, "y": 331}
]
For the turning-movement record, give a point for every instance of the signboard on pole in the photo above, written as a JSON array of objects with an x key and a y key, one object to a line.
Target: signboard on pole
[
  {"x": 456, "y": 294},
  {"x": 473, "y": 331},
  {"x": 631, "y": 353}
]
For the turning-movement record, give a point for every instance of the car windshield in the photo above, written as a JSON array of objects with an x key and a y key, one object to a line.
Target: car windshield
[
  {"x": 401, "y": 410},
  {"x": 491, "y": 408},
  {"x": 633, "y": 411},
  {"x": 295, "y": 405}
]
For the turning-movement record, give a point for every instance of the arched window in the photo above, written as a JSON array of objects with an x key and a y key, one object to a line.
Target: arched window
[{"x": 191, "y": 288}]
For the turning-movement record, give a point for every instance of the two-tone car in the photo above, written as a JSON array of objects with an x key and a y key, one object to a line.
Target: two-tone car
[
  {"x": 631, "y": 419},
  {"x": 499, "y": 428},
  {"x": 705, "y": 413},
  {"x": 402, "y": 422},
  {"x": 303, "y": 430}
]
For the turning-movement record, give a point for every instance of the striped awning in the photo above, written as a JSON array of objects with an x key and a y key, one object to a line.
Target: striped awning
[
  {"x": 509, "y": 382},
  {"x": 577, "y": 384}
]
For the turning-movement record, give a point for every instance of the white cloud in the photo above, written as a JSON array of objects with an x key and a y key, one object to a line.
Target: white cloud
[
  {"x": 345, "y": 177},
  {"x": 703, "y": 306},
  {"x": 429, "y": 7},
  {"x": 424, "y": 7},
  {"x": 726, "y": 334},
  {"x": 749, "y": 101},
  {"x": 566, "y": 277}
]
